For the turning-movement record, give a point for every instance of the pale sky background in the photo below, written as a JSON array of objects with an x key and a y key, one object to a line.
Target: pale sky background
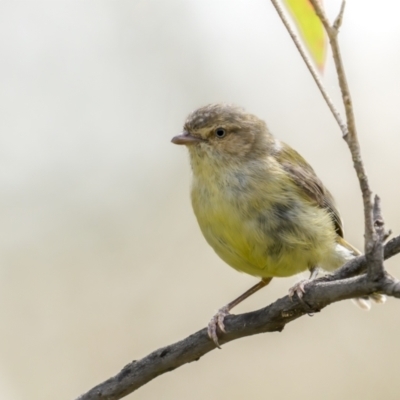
[{"x": 102, "y": 260}]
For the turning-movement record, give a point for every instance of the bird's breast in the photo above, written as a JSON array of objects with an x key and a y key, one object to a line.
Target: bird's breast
[
  {"x": 259, "y": 230},
  {"x": 231, "y": 214}
]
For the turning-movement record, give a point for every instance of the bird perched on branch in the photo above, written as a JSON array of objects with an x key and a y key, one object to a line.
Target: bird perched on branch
[{"x": 258, "y": 203}]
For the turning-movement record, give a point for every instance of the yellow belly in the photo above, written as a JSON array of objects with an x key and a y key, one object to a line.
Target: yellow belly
[{"x": 281, "y": 238}]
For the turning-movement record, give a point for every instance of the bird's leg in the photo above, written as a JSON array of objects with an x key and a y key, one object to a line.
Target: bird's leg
[
  {"x": 218, "y": 318},
  {"x": 298, "y": 288}
]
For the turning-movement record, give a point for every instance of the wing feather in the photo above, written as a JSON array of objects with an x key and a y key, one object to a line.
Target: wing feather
[{"x": 306, "y": 179}]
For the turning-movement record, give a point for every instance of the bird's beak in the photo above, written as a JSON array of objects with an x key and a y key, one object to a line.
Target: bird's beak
[{"x": 186, "y": 138}]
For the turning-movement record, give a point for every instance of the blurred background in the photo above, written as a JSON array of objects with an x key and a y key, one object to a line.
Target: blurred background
[{"x": 102, "y": 260}]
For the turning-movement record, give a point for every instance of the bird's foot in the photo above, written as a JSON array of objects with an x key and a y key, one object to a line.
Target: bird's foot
[
  {"x": 217, "y": 321},
  {"x": 298, "y": 288}
]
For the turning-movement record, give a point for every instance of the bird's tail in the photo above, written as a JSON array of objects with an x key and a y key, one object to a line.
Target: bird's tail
[{"x": 343, "y": 242}]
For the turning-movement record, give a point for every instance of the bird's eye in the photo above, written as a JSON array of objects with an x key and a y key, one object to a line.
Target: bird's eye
[{"x": 220, "y": 133}]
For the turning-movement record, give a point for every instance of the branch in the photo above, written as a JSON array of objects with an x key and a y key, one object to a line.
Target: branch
[
  {"x": 351, "y": 136},
  {"x": 320, "y": 293}
]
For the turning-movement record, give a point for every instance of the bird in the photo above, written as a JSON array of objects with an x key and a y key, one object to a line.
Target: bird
[{"x": 258, "y": 202}]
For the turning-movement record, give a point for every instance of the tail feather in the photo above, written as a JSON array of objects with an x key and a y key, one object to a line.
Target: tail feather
[
  {"x": 343, "y": 242},
  {"x": 363, "y": 302}
]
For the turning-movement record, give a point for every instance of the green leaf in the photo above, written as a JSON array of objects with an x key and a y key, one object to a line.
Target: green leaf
[{"x": 310, "y": 28}]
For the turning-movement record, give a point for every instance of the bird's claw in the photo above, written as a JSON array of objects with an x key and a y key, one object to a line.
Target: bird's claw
[
  {"x": 298, "y": 288},
  {"x": 217, "y": 321}
]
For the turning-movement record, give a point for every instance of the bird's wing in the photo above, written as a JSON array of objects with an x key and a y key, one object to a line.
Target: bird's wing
[{"x": 305, "y": 178}]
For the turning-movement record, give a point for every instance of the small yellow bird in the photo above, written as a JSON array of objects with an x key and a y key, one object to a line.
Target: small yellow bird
[{"x": 258, "y": 203}]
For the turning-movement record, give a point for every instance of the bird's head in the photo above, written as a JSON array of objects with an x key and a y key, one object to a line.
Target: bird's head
[{"x": 224, "y": 133}]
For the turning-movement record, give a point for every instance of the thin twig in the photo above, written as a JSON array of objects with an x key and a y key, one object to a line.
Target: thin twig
[
  {"x": 310, "y": 67},
  {"x": 322, "y": 16},
  {"x": 351, "y": 138},
  {"x": 375, "y": 257},
  {"x": 339, "y": 19}
]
